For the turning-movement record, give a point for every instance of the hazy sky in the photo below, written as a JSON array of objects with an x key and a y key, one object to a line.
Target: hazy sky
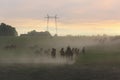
[{"x": 77, "y": 17}]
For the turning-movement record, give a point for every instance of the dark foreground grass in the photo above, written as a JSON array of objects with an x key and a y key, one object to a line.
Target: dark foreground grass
[
  {"x": 67, "y": 72},
  {"x": 87, "y": 67}
]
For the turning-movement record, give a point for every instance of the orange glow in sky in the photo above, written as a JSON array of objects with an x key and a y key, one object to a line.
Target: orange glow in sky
[{"x": 76, "y": 17}]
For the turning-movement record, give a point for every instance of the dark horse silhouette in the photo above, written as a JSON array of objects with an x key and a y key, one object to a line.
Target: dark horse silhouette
[
  {"x": 69, "y": 53},
  {"x": 53, "y": 52},
  {"x": 62, "y": 52}
]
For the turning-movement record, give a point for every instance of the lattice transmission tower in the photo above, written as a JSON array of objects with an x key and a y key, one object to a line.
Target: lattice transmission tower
[{"x": 55, "y": 18}]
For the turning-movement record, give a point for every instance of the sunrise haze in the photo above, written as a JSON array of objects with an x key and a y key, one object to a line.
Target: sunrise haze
[{"x": 76, "y": 17}]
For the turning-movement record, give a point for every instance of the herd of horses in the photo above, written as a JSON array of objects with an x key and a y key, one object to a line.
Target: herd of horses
[
  {"x": 64, "y": 52},
  {"x": 68, "y": 52}
]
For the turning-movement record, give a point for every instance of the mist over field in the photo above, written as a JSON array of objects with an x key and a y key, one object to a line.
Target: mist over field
[
  {"x": 28, "y": 49},
  {"x": 29, "y": 58},
  {"x": 40, "y": 56}
]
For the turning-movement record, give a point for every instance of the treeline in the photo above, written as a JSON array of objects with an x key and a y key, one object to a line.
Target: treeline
[{"x": 7, "y": 30}]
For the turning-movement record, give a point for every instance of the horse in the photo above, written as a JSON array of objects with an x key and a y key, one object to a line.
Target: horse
[
  {"x": 69, "y": 53},
  {"x": 53, "y": 52},
  {"x": 62, "y": 52}
]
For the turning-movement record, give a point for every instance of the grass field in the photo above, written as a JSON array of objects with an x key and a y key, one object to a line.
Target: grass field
[
  {"x": 87, "y": 67},
  {"x": 100, "y": 62}
]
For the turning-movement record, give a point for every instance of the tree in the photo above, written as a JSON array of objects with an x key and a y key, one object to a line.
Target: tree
[{"x": 7, "y": 30}]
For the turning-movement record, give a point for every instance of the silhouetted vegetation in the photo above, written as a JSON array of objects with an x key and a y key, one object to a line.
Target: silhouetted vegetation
[
  {"x": 7, "y": 30},
  {"x": 35, "y": 33}
]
